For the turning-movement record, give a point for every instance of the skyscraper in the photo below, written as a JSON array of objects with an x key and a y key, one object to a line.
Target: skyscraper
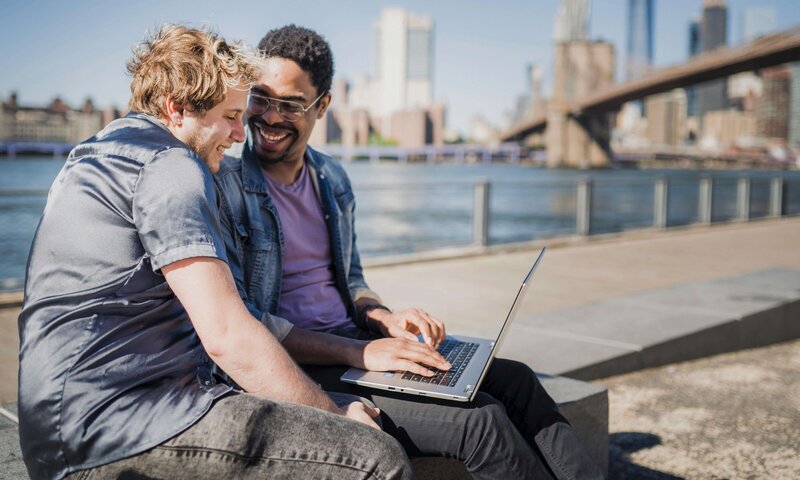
[
  {"x": 694, "y": 49},
  {"x": 713, "y": 95},
  {"x": 572, "y": 20},
  {"x": 405, "y": 61},
  {"x": 640, "y": 38}
]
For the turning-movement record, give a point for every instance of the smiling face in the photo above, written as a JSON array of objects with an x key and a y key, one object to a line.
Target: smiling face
[
  {"x": 210, "y": 134},
  {"x": 276, "y": 140}
]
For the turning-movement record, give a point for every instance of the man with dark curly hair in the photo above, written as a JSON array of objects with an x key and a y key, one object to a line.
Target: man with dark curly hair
[{"x": 287, "y": 214}]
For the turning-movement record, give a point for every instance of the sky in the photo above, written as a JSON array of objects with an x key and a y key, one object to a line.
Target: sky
[{"x": 78, "y": 48}]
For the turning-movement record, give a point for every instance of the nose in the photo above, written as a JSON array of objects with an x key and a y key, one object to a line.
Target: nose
[
  {"x": 271, "y": 116},
  {"x": 237, "y": 133}
]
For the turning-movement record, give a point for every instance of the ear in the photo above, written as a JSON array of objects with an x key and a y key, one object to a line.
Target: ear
[
  {"x": 324, "y": 103},
  {"x": 174, "y": 112}
]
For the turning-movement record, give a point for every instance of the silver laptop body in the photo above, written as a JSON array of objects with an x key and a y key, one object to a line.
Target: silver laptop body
[{"x": 464, "y": 384}]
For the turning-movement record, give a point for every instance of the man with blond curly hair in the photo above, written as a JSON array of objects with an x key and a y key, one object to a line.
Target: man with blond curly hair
[{"x": 129, "y": 305}]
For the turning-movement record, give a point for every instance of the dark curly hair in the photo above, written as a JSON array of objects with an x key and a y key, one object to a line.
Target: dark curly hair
[{"x": 306, "y": 48}]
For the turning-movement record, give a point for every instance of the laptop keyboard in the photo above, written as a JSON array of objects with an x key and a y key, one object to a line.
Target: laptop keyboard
[{"x": 455, "y": 352}]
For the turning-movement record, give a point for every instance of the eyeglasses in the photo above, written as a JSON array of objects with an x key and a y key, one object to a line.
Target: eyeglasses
[{"x": 288, "y": 110}]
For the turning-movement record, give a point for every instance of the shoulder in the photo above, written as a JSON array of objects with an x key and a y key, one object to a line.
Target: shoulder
[
  {"x": 230, "y": 169},
  {"x": 328, "y": 166},
  {"x": 137, "y": 135}
]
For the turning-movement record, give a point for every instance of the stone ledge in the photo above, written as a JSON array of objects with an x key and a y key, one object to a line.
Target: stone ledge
[{"x": 584, "y": 404}]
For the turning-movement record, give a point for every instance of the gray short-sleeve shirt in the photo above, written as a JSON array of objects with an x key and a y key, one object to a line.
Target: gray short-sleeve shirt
[{"x": 110, "y": 364}]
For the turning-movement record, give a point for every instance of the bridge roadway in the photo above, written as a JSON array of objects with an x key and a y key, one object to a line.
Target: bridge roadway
[
  {"x": 472, "y": 294},
  {"x": 763, "y": 52}
]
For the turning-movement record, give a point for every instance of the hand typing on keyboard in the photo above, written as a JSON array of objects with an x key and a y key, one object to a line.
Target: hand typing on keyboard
[
  {"x": 401, "y": 355},
  {"x": 407, "y": 324},
  {"x": 458, "y": 354}
]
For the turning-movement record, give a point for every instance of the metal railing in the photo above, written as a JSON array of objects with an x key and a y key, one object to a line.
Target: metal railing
[
  {"x": 405, "y": 218},
  {"x": 661, "y": 220}
]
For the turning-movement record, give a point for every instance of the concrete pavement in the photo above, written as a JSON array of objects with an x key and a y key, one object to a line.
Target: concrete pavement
[
  {"x": 734, "y": 415},
  {"x": 596, "y": 307},
  {"x": 473, "y": 294}
]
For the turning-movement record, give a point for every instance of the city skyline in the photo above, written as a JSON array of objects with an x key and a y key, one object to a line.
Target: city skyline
[{"x": 60, "y": 54}]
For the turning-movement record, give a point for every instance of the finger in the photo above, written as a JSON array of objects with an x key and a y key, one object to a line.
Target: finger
[
  {"x": 398, "y": 332},
  {"x": 356, "y": 411},
  {"x": 369, "y": 409},
  {"x": 416, "y": 368},
  {"x": 440, "y": 326},
  {"x": 424, "y": 328},
  {"x": 421, "y": 353}
]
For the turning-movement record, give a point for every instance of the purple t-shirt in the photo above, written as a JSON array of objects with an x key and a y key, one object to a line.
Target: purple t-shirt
[{"x": 309, "y": 298}]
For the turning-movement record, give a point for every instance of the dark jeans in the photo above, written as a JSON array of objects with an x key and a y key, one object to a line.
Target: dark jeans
[
  {"x": 248, "y": 437},
  {"x": 512, "y": 430}
]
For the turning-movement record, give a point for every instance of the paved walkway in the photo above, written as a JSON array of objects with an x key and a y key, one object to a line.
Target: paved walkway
[
  {"x": 734, "y": 415},
  {"x": 468, "y": 292},
  {"x": 473, "y": 294}
]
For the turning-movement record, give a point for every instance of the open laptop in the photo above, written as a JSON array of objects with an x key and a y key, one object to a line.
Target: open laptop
[{"x": 470, "y": 359}]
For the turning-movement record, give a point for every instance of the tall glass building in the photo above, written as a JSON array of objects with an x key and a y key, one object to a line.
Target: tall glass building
[
  {"x": 694, "y": 49},
  {"x": 713, "y": 95},
  {"x": 640, "y": 38}
]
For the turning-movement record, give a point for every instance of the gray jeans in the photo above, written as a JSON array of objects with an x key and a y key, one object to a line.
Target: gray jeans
[{"x": 248, "y": 437}]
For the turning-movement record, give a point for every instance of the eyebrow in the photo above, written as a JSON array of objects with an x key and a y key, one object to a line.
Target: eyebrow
[{"x": 292, "y": 98}]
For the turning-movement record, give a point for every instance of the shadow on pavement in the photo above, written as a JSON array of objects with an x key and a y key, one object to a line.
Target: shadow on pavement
[{"x": 621, "y": 445}]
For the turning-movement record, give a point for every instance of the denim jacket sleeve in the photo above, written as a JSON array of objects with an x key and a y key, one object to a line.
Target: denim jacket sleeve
[
  {"x": 278, "y": 326},
  {"x": 359, "y": 290}
]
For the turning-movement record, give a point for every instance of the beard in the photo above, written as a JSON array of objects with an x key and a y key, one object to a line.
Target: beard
[{"x": 266, "y": 157}]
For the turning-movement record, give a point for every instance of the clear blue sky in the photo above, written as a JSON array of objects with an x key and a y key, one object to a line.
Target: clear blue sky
[{"x": 77, "y": 49}]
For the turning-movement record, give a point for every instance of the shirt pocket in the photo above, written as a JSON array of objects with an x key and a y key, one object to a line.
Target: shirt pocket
[{"x": 259, "y": 262}]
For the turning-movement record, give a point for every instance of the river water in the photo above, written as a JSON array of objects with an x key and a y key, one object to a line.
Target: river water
[{"x": 405, "y": 208}]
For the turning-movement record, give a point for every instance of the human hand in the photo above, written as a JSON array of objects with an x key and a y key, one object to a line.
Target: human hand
[
  {"x": 408, "y": 323},
  {"x": 401, "y": 354},
  {"x": 362, "y": 413}
]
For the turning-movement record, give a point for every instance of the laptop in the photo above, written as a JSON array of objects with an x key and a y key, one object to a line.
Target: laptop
[{"x": 470, "y": 358}]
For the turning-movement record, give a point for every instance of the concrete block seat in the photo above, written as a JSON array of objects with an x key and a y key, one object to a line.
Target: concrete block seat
[
  {"x": 584, "y": 404},
  {"x": 661, "y": 326}
]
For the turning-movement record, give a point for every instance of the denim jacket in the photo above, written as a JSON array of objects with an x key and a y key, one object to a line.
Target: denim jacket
[{"x": 254, "y": 239}]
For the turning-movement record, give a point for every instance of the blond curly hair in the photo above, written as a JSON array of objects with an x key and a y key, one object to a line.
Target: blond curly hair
[{"x": 193, "y": 67}]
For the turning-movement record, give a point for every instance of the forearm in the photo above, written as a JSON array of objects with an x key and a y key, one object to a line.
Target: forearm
[
  {"x": 260, "y": 365},
  {"x": 237, "y": 342},
  {"x": 315, "y": 348}
]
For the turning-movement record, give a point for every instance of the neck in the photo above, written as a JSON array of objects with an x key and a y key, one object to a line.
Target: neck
[{"x": 286, "y": 172}]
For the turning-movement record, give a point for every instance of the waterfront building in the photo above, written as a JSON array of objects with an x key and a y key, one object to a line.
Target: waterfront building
[
  {"x": 396, "y": 105},
  {"x": 713, "y": 95},
  {"x": 404, "y": 61},
  {"x": 666, "y": 118},
  {"x": 773, "y": 107},
  {"x": 57, "y": 122},
  {"x": 794, "y": 106},
  {"x": 572, "y": 20},
  {"x": 726, "y": 128},
  {"x": 744, "y": 89}
]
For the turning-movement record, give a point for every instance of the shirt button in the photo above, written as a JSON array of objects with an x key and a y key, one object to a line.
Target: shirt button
[
  {"x": 321, "y": 176},
  {"x": 327, "y": 217}
]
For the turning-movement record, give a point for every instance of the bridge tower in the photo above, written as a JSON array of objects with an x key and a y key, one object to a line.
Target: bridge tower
[{"x": 583, "y": 141}]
